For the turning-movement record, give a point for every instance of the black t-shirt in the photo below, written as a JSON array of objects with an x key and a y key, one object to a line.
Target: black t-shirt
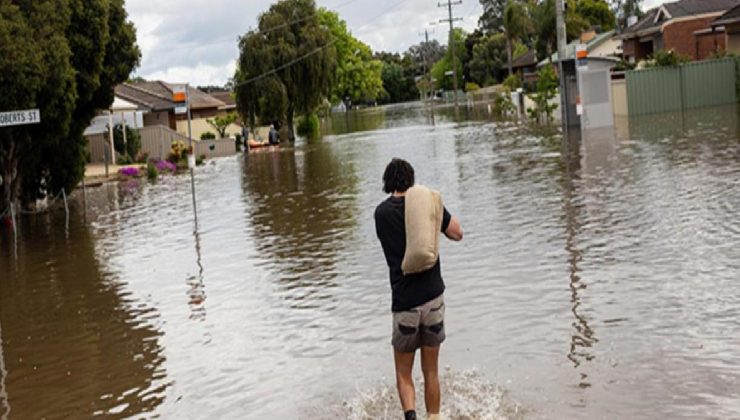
[{"x": 415, "y": 289}]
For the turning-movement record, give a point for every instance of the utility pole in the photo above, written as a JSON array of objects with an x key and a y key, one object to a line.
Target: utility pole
[
  {"x": 560, "y": 29},
  {"x": 428, "y": 74},
  {"x": 451, "y": 19},
  {"x": 425, "y": 62}
]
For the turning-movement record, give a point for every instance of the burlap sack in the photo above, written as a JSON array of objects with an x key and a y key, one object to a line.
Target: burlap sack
[{"x": 423, "y": 217}]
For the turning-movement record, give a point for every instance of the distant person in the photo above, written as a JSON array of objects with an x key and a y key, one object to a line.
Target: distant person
[
  {"x": 245, "y": 135},
  {"x": 274, "y": 135},
  {"x": 418, "y": 305}
]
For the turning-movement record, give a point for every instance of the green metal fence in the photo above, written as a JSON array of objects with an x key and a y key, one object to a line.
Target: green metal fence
[{"x": 691, "y": 85}]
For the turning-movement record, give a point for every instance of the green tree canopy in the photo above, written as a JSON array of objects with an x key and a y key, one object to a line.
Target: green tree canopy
[
  {"x": 55, "y": 56},
  {"x": 517, "y": 24},
  {"x": 358, "y": 75},
  {"x": 489, "y": 59},
  {"x": 285, "y": 66},
  {"x": 596, "y": 13}
]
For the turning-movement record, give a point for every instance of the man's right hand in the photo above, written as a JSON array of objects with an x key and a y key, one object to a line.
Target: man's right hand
[{"x": 454, "y": 230}]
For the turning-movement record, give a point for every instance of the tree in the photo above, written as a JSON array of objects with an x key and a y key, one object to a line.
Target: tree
[
  {"x": 63, "y": 57},
  {"x": 292, "y": 60},
  {"x": 516, "y": 25},
  {"x": 489, "y": 59},
  {"x": 492, "y": 19},
  {"x": 221, "y": 123},
  {"x": 596, "y": 13},
  {"x": 398, "y": 86},
  {"x": 543, "y": 16},
  {"x": 424, "y": 55},
  {"x": 358, "y": 75}
]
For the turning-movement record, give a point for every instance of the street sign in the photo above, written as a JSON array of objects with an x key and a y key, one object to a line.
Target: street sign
[
  {"x": 22, "y": 117},
  {"x": 181, "y": 109}
]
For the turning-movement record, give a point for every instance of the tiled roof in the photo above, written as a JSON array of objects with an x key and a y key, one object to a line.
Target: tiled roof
[
  {"x": 677, "y": 9},
  {"x": 731, "y": 16},
  {"x": 225, "y": 97},
  {"x": 157, "y": 95},
  {"x": 525, "y": 60}
]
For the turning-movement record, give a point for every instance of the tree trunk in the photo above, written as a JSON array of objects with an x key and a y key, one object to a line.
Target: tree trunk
[
  {"x": 291, "y": 132},
  {"x": 10, "y": 177},
  {"x": 508, "y": 53}
]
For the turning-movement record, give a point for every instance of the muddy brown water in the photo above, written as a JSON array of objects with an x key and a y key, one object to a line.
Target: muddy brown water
[{"x": 596, "y": 280}]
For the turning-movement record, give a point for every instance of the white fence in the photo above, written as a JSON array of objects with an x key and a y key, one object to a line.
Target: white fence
[{"x": 156, "y": 141}]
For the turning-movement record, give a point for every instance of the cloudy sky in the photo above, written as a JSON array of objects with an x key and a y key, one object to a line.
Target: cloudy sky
[{"x": 195, "y": 40}]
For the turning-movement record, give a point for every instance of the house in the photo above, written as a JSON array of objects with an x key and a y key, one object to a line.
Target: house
[
  {"x": 683, "y": 26},
  {"x": 729, "y": 23},
  {"x": 155, "y": 99},
  {"x": 526, "y": 65},
  {"x": 227, "y": 98},
  {"x": 605, "y": 46}
]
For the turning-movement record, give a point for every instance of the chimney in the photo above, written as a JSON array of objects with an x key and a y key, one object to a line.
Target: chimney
[{"x": 587, "y": 36}]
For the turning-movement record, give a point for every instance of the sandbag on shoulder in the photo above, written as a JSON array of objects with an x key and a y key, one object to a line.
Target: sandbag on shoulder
[{"x": 423, "y": 218}]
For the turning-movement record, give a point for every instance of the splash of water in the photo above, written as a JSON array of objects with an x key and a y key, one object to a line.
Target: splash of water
[{"x": 465, "y": 395}]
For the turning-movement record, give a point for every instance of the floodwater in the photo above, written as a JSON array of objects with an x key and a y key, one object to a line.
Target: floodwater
[{"x": 598, "y": 278}]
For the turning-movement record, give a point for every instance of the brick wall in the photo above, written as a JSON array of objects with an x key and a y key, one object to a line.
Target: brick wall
[
  {"x": 679, "y": 36},
  {"x": 636, "y": 49},
  {"x": 708, "y": 44}
]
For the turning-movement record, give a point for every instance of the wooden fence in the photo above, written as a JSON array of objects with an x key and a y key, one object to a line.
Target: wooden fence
[{"x": 156, "y": 141}]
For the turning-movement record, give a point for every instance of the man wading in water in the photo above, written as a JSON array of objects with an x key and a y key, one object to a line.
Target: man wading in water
[{"x": 418, "y": 306}]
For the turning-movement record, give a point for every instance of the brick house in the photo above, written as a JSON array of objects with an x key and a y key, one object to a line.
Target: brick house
[
  {"x": 156, "y": 98},
  {"x": 684, "y": 26},
  {"x": 729, "y": 23}
]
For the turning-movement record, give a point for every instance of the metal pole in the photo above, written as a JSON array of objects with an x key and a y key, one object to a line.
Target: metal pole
[
  {"x": 123, "y": 129},
  {"x": 451, "y": 20},
  {"x": 112, "y": 145},
  {"x": 3, "y": 374},
  {"x": 560, "y": 26},
  {"x": 192, "y": 152},
  {"x": 66, "y": 210}
]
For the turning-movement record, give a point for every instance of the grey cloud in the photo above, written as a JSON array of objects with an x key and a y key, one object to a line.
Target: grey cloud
[{"x": 177, "y": 34}]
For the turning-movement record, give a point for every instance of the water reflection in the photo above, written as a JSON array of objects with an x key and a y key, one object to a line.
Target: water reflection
[
  {"x": 196, "y": 287},
  {"x": 583, "y": 336},
  {"x": 301, "y": 206},
  {"x": 73, "y": 343}
]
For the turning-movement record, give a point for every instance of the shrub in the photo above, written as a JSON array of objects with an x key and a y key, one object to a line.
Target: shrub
[
  {"x": 165, "y": 166},
  {"x": 308, "y": 126},
  {"x": 207, "y": 136},
  {"x": 513, "y": 82},
  {"x": 200, "y": 159},
  {"x": 133, "y": 141},
  {"x": 502, "y": 103},
  {"x": 471, "y": 87},
  {"x": 666, "y": 58},
  {"x": 547, "y": 88},
  {"x": 129, "y": 171},
  {"x": 151, "y": 171}
]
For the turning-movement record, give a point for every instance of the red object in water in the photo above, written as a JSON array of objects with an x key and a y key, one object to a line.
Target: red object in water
[{"x": 8, "y": 222}]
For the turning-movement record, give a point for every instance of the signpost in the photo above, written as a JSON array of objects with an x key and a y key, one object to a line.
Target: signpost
[
  {"x": 21, "y": 117},
  {"x": 182, "y": 105},
  {"x": 13, "y": 118}
]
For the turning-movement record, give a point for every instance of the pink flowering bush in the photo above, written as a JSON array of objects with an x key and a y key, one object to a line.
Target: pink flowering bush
[{"x": 129, "y": 171}]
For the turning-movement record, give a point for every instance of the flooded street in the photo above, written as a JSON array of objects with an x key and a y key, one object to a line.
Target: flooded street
[{"x": 596, "y": 280}]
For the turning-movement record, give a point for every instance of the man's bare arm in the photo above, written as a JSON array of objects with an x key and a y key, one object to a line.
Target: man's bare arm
[{"x": 454, "y": 230}]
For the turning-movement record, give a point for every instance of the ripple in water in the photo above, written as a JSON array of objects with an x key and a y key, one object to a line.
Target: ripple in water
[{"x": 466, "y": 395}]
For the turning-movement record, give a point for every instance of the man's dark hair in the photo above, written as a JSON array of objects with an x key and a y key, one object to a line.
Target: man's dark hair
[{"x": 398, "y": 176}]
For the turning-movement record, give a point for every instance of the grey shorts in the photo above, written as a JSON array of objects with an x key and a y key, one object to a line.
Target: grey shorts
[{"x": 420, "y": 326}]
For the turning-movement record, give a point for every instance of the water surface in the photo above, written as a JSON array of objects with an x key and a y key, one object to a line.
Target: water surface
[{"x": 598, "y": 278}]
